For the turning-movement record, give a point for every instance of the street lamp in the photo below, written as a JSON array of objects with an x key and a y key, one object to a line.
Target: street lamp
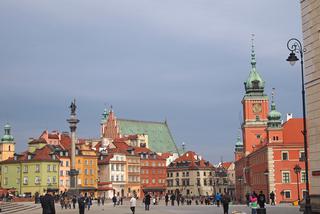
[
  {"x": 297, "y": 170},
  {"x": 295, "y": 46},
  {"x": 266, "y": 173}
]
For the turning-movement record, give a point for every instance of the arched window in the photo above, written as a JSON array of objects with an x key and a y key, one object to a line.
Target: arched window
[{"x": 9, "y": 148}]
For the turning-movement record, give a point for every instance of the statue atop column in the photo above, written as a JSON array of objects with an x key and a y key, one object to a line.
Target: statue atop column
[{"x": 73, "y": 107}]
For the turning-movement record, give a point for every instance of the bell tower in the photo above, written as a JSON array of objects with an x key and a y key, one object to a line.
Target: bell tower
[
  {"x": 7, "y": 144},
  {"x": 255, "y": 108}
]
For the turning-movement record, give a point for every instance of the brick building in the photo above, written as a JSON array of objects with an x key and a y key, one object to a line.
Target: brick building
[{"x": 271, "y": 149}]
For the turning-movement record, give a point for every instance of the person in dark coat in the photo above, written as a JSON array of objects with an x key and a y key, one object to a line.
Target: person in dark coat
[
  {"x": 261, "y": 199},
  {"x": 172, "y": 198},
  {"x": 81, "y": 203},
  {"x": 147, "y": 200},
  {"x": 114, "y": 200},
  {"x": 166, "y": 199},
  {"x": 47, "y": 203},
  {"x": 272, "y": 198},
  {"x": 74, "y": 201},
  {"x": 225, "y": 203}
]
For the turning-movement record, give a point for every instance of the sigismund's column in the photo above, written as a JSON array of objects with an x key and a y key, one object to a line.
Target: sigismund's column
[{"x": 73, "y": 126}]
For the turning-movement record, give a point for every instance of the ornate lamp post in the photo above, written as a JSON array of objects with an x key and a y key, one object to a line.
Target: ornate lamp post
[
  {"x": 295, "y": 46},
  {"x": 297, "y": 170}
]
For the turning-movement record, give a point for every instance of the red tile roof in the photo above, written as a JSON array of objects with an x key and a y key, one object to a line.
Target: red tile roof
[
  {"x": 292, "y": 131},
  {"x": 226, "y": 165},
  {"x": 166, "y": 155},
  {"x": 191, "y": 160}
]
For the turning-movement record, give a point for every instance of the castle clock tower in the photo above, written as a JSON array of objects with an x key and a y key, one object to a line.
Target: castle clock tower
[{"x": 255, "y": 109}]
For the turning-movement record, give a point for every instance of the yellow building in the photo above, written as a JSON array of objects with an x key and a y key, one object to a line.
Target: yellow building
[
  {"x": 87, "y": 165},
  {"x": 7, "y": 145}
]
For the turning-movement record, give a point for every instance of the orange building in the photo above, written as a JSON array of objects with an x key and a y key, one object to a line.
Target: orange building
[
  {"x": 153, "y": 172},
  {"x": 270, "y": 150}
]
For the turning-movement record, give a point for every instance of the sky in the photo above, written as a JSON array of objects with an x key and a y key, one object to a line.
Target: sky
[{"x": 182, "y": 60}]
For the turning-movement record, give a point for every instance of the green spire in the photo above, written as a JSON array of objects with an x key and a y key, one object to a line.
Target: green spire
[
  {"x": 104, "y": 116},
  {"x": 7, "y": 137},
  {"x": 274, "y": 117},
  {"x": 239, "y": 145},
  {"x": 254, "y": 84}
]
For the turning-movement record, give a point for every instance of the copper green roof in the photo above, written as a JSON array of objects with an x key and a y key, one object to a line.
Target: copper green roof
[
  {"x": 274, "y": 117},
  {"x": 7, "y": 137},
  {"x": 159, "y": 135},
  {"x": 254, "y": 84}
]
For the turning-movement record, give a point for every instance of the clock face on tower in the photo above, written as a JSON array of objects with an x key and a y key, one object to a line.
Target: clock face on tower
[{"x": 256, "y": 108}]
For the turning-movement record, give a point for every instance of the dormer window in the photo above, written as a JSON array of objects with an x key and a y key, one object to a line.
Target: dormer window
[
  {"x": 29, "y": 157},
  {"x": 77, "y": 151},
  {"x": 15, "y": 157},
  {"x": 61, "y": 153},
  {"x": 53, "y": 157},
  {"x": 67, "y": 153}
]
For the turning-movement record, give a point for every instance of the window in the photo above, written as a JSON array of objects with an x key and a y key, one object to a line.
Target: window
[
  {"x": 61, "y": 172},
  {"x": 198, "y": 173},
  {"x": 187, "y": 174},
  {"x": 67, "y": 163},
  {"x": 301, "y": 156},
  {"x": 204, "y": 174},
  {"x": 147, "y": 181},
  {"x": 177, "y": 182},
  {"x": 90, "y": 162},
  {"x": 25, "y": 169},
  {"x": 25, "y": 180},
  {"x": 86, "y": 171},
  {"x": 5, "y": 169},
  {"x": 48, "y": 180},
  {"x": 303, "y": 176},
  {"x": 153, "y": 181},
  {"x": 177, "y": 174},
  {"x": 285, "y": 177},
  {"x": 37, "y": 168},
  {"x": 18, "y": 181},
  {"x": 117, "y": 177},
  {"x": 54, "y": 179},
  {"x": 198, "y": 182},
  {"x": 54, "y": 168},
  {"x": 285, "y": 155},
  {"x": 86, "y": 162},
  {"x": 5, "y": 182},
  {"x": 86, "y": 181},
  {"x": 91, "y": 171},
  {"x": 287, "y": 194},
  {"x": 205, "y": 182},
  {"x": 121, "y": 178},
  {"x": 18, "y": 169},
  {"x": 61, "y": 182},
  {"x": 37, "y": 180},
  {"x": 48, "y": 167},
  {"x": 112, "y": 178}
]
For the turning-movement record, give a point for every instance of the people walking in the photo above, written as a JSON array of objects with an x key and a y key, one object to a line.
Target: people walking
[
  {"x": 47, "y": 203},
  {"x": 166, "y": 199},
  {"x": 218, "y": 199},
  {"x": 133, "y": 204},
  {"x": 147, "y": 200},
  {"x": 253, "y": 203},
  {"x": 225, "y": 203},
  {"x": 81, "y": 203},
  {"x": 114, "y": 200},
  {"x": 172, "y": 199},
  {"x": 272, "y": 198},
  {"x": 74, "y": 201},
  {"x": 248, "y": 199},
  {"x": 261, "y": 199}
]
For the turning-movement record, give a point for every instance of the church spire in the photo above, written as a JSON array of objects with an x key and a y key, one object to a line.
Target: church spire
[
  {"x": 253, "y": 54},
  {"x": 274, "y": 117},
  {"x": 254, "y": 84}
]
